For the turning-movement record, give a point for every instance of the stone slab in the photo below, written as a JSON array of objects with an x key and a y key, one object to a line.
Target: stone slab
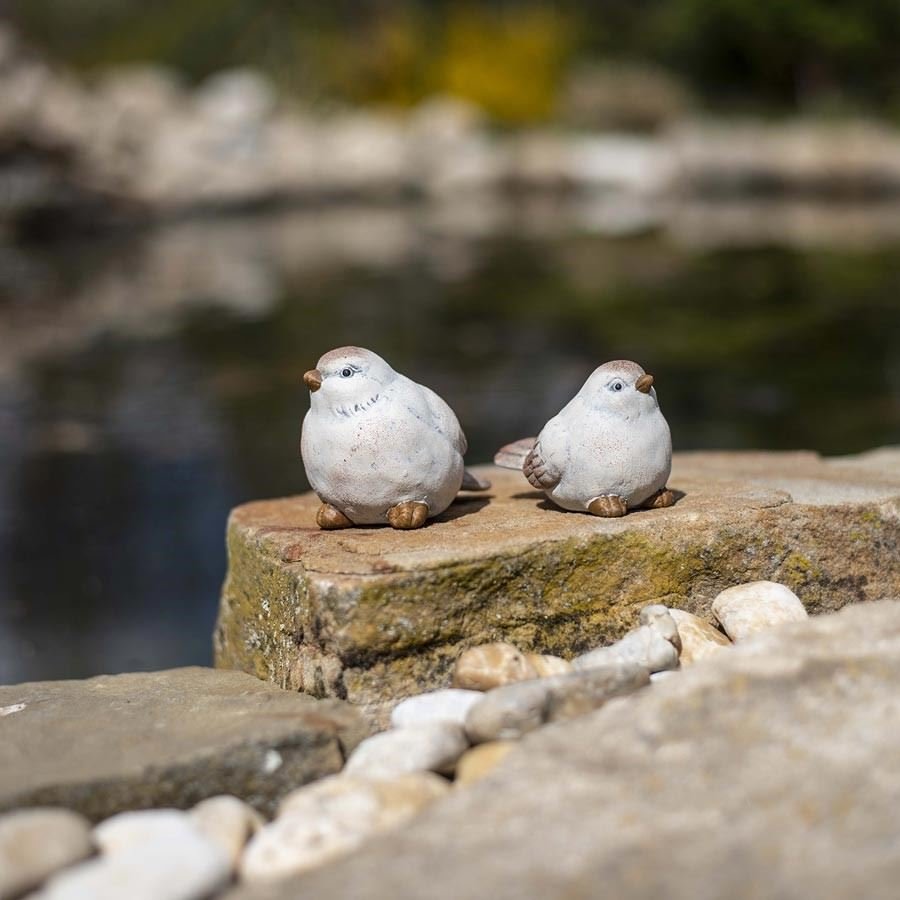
[
  {"x": 173, "y": 738},
  {"x": 770, "y": 770},
  {"x": 371, "y": 614}
]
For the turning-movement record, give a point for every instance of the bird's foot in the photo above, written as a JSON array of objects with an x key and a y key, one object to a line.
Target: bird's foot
[
  {"x": 330, "y": 517},
  {"x": 409, "y": 514},
  {"x": 662, "y": 498},
  {"x": 608, "y": 506}
]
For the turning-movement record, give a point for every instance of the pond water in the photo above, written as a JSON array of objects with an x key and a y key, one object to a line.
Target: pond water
[{"x": 150, "y": 382}]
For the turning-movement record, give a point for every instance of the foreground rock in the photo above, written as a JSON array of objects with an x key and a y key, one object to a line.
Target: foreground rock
[
  {"x": 796, "y": 795},
  {"x": 383, "y": 614},
  {"x": 120, "y": 742},
  {"x": 34, "y": 843}
]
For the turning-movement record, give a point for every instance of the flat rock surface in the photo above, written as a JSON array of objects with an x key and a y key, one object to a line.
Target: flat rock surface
[
  {"x": 372, "y": 614},
  {"x": 172, "y": 738},
  {"x": 770, "y": 770}
]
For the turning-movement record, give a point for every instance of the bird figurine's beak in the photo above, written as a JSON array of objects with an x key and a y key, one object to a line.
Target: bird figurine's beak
[
  {"x": 644, "y": 383},
  {"x": 313, "y": 380}
]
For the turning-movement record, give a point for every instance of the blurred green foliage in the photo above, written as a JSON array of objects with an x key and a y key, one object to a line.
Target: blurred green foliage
[{"x": 510, "y": 57}]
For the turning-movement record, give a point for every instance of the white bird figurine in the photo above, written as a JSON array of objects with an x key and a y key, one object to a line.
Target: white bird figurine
[
  {"x": 607, "y": 451},
  {"x": 379, "y": 448}
]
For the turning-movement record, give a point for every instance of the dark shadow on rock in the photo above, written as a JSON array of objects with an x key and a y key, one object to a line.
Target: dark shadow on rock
[
  {"x": 463, "y": 506},
  {"x": 529, "y": 495},
  {"x": 643, "y": 509}
]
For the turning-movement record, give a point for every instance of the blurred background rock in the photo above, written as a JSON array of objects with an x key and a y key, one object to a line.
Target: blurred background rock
[{"x": 198, "y": 198}]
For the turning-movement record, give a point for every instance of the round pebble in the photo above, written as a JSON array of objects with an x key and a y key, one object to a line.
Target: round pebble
[
  {"x": 699, "y": 639},
  {"x": 228, "y": 822},
  {"x": 35, "y": 843},
  {"x": 450, "y": 705},
  {"x": 474, "y": 764},
  {"x": 508, "y": 712},
  {"x": 644, "y": 646},
  {"x": 431, "y": 747},
  {"x": 545, "y": 666},
  {"x": 491, "y": 665},
  {"x": 329, "y": 818},
  {"x": 747, "y": 609},
  {"x": 148, "y": 855},
  {"x": 659, "y": 618}
]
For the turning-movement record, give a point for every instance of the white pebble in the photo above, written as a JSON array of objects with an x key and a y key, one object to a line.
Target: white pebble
[
  {"x": 450, "y": 705},
  {"x": 433, "y": 747},
  {"x": 35, "y": 843},
  {"x": 150, "y": 855},
  {"x": 329, "y": 818},
  {"x": 747, "y": 609},
  {"x": 644, "y": 646},
  {"x": 228, "y": 822}
]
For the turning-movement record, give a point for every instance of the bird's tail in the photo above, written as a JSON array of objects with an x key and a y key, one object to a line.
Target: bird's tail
[
  {"x": 512, "y": 456},
  {"x": 472, "y": 482}
]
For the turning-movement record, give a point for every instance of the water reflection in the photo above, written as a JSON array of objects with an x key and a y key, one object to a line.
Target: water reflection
[{"x": 150, "y": 382}]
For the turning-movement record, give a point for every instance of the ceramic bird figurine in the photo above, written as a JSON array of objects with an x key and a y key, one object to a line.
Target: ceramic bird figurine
[
  {"x": 379, "y": 448},
  {"x": 607, "y": 451}
]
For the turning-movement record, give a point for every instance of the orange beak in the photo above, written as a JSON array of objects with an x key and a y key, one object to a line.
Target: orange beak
[
  {"x": 644, "y": 383},
  {"x": 313, "y": 380}
]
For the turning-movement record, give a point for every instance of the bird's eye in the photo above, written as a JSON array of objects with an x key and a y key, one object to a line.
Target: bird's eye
[
  {"x": 346, "y": 373},
  {"x": 617, "y": 385}
]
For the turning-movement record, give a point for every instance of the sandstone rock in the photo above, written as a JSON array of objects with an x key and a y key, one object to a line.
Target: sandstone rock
[
  {"x": 546, "y": 665},
  {"x": 35, "y": 843},
  {"x": 644, "y": 646},
  {"x": 508, "y": 712},
  {"x": 148, "y": 855},
  {"x": 698, "y": 638},
  {"x": 747, "y": 609},
  {"x": 481, "y": 760},
  {"x": 387, "y": 614},
  {"x": 431, "y": 747},
  {"x": 450, "y": 705},
  {"x": 492, "y": 665},
  {"x": 228, "y": 822},
  {"x": 173, "y": 738},
  {"x": 333, "y": 816},
  {"x": 765, "y": 772}
]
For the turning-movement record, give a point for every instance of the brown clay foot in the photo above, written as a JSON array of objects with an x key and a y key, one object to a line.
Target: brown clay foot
[
  {"x": 608, "y": 506},
  {"x": 660, "y": 499},
  {"x": 330, "y": 517},
  {"x": 409, "y": 514}
]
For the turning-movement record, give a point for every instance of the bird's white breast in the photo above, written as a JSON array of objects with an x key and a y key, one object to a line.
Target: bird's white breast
[
  {"x": 378, "y": 455},
  {"x": 609, "y": 454}
]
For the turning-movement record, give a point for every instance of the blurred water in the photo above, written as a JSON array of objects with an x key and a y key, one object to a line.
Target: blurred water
[{"x": 151, "y": 382}]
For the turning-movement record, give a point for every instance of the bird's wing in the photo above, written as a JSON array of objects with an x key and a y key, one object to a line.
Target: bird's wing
[
  {"x": 543, "y": 465},
  {"x": 443, "y": 419},
  {"x": 512, "y": 456}
]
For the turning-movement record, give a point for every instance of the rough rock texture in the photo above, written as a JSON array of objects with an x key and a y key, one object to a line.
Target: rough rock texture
[
  {"x": 373, "y": 615},
  {"x": 769, "y": 771},
  {"x": 172, "y": 738}
]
